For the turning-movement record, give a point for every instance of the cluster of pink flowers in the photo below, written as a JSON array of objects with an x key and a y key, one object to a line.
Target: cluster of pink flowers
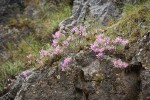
[
  {"x": 101, "y": 44},
  {"x": 81, "y": 30},
  {"x": 119, "y": 64},
  {"x": 65, "y": 43},
  {"x": 120, "y": 40},
  {"x": 57, "y": 35},
  {"x": 57, "y": 50},
  {"x": 55, "y": 43},
  {"x": 44, "y": 53},
  {"x": 65, "y": 63}
]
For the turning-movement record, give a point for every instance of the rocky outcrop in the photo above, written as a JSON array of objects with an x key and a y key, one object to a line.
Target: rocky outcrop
[
  {"x": 88, "y": 78},
  {"x": 139, "y": 52},
  {"x": 95, "y": 11},
  {"x": 92, "y": 79},
  {"x": 10, "y": 8},
  {"x": 87, "y": 10},
  {"x": 10, "y": 35}
]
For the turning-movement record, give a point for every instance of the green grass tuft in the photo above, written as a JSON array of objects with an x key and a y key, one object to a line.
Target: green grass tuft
[
  {"x": 37, "y": 39},
  {"x": 9, "y": 69}
]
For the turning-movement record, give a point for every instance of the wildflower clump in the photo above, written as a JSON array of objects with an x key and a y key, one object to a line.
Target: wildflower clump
[
  {"x": 67, "y": 43},
  {"x": 65, "y": 63},
  {"x": 60, "y": 41},
  {"x": 119, "y": 64},
  {"x": 79, "y": 30},
  {"x": 56, "y": 47},
  {"x": 103, "y": 43}
]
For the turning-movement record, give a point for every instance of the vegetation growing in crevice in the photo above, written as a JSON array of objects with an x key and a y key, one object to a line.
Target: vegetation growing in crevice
[
  {"x": 79, "y": 38},
  {"x": 134, "y": 23},
  {"x": 39, "y": 36}
]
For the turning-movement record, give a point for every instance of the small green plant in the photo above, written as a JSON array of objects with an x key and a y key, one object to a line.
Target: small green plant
[{"x": 9, "y": 69}]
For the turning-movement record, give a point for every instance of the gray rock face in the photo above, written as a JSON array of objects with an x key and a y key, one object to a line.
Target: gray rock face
[
  {"x": 10, "y": 8},
  {"x": 99, "y": 11},
  {"x": 91, "y": 9},
  {"x": 98, "y": 80},
  {"x": 13, "y": 35},
  {"x": 140, "y": 52}
]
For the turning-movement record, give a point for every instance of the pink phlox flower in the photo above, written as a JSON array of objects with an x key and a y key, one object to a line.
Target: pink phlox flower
[
  {"x": 101, "y": 50},
  {"x": 125, "y": 41},
  {"x": 55, "y": 43},
  {"x": 120, "y": 40},
  {"x": 65, "y": 63},
  {"x": 99, "y": 55},
  {"x": 82, "y": 30},
  {"x": 65, "y": 43},
  {"x": 93, "y": 46},
  {"x": 57, "y": 50},
  {"x": 76, "y": 30},
  {"x": 110, "y": 47},
  {"x": 100, "y": 39},
  {"x": 50, "y": 54},
  {"x": 119, "y": 64},
  {"x": 43, "y": 53},
  {"x": 107, "y": 40},
  {"x": 57, "y": 35}
]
